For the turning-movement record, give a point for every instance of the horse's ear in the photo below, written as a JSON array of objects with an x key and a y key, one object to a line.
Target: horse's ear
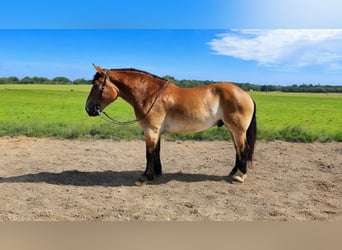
[{"x": 98, "y": 69}]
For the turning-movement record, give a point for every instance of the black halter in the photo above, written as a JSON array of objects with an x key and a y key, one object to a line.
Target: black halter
[
  {"x": 101, "y": 88},
  {"x": 103, "y": 84}
]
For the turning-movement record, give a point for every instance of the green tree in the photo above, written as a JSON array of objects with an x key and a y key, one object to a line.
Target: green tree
[
  {"x": 27, "y": 80},
  {"x": 40, "y": 80},
  {"x": 12, "y": 80},
  {"x": 81, "y": 81},
  {"x": 61, "y": 80}
]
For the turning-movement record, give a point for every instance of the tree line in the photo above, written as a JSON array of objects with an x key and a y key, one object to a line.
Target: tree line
[
  {"x": 304, "y": 88},
  {"x": 307, "y": 88},
  {"x": 42, "y": 80}
]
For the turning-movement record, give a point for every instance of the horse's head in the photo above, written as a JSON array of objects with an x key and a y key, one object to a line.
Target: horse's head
[{"x": 102, "y": 93}]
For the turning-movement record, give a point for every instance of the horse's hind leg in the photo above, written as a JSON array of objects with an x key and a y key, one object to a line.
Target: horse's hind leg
[
  {"x": 235, "y": 168},
  {"x": 239, "y": 172}
]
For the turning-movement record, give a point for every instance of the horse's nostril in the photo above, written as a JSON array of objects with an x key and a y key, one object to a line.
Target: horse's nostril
[
  {"x": 97, "y": 109},
  {"x": 93, "y": 109}
]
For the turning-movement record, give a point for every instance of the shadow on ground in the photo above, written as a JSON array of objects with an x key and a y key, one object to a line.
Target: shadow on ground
[{"x": 104, "y": 178}]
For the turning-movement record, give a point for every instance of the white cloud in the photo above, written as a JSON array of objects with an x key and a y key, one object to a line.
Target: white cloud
[{"x": 283, "y": 48}]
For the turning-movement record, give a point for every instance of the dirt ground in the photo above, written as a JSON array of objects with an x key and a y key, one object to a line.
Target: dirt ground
[{"x": 50, "y": 179}]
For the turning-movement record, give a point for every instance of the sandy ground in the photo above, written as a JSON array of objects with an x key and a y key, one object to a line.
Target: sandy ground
[{"x": 49, "y": 179}]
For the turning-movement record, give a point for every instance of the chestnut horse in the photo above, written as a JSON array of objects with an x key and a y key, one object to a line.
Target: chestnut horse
[{"x": 162, "y": 107}]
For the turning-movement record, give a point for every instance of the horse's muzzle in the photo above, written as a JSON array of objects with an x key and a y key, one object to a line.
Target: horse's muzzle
[{"x": 93, "y": 109}]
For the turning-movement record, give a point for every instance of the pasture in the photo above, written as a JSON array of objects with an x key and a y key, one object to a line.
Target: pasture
[{"x": 58, "y": 111}]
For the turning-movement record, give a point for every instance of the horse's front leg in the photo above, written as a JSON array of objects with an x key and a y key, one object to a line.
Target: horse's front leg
[
  {"x": 157, "y": 164},
  {"x": 153, "y": 164}
]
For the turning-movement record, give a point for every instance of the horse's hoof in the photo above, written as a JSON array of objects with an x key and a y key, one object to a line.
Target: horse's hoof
[
  {"x": 140, "y": 183},
  {"x": 143, "y": 180},
  {"x": 239, "y": 176}
]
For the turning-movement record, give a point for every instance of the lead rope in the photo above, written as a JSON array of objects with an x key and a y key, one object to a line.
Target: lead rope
[{"x": 116, "y": 122}]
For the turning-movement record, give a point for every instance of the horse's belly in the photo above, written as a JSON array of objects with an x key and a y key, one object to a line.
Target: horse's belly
[
  {"x": 189, "y": 117},
  {"x": 184, "y": 126}
]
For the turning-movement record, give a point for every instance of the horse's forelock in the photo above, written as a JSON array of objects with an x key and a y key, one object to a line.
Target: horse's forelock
[{"x": 96, "y": 76}]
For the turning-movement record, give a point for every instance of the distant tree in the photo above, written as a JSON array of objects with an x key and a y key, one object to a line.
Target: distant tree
[
  {"x": 12, "y": 80},
  {"x": 170, "y": 78},
  {"x": 9, "y": 80},
  {"x": 81, "y": 81},
  {"x": 40, "y": 80},
  {"x": 26, "y": 80},
  {"x": 264, "y": 88},
  {"x": 61, "y": 80}
]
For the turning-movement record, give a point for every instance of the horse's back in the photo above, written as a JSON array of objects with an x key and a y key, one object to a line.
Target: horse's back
[{"x": 225, "y": 94}]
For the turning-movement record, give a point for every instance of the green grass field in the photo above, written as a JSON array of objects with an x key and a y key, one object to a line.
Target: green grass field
[
  {"x": 58, "y": 111},
  {"x": 299, "y": 116}
]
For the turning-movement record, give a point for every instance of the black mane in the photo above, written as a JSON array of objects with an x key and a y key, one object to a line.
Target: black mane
[{"x": 139, "y": 71}]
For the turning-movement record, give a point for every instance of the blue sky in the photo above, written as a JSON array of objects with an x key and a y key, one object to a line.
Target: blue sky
[{"x": 242, "y": 41}]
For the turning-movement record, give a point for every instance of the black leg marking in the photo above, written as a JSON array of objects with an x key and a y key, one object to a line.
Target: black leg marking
[
  {"x": 153, "y": 165},
  {"x": 235, "y": 168},
  {"x": 149, "y": 172},
  {"x": 157, "y": 164},
  {"x": 241, "y": 163}
]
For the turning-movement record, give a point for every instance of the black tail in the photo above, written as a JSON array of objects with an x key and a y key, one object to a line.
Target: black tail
[{"x": 252, "y": 135}]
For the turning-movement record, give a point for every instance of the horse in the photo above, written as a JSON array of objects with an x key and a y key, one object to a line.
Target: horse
[{"x": 162, "y": 107}]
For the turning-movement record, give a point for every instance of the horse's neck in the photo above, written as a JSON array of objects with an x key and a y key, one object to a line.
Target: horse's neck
[{"x": 138, "y": 92}]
